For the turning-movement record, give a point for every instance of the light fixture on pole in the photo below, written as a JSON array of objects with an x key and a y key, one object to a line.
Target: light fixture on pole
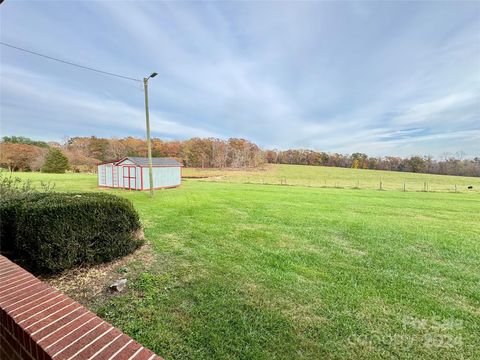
[{"x": 149, "y": 145}]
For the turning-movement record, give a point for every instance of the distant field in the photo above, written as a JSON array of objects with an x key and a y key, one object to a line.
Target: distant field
[
  {"x": 246, "y": 271},
  {"x": 320, "y": 176}
]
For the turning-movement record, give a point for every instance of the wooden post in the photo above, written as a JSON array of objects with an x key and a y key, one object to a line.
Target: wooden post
[{"x": 149, "y": 143}]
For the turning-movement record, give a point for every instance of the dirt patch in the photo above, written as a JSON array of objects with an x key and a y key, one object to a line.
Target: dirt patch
[{"x": 88, "y": 284}]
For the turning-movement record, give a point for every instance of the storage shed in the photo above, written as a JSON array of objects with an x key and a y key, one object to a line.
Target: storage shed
[{"x": 132, "y": 173}]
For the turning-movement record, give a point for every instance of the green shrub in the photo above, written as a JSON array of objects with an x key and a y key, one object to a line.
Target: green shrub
[
  {"x": 58, "y": 231},
  {"x": 10, "y": 204},
  {"x": 55, "y": 162},
  {"x": 13, "y": 193}
]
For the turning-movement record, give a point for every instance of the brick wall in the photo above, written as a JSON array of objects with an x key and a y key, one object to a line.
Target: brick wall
[{"x": 39, "y": 322}]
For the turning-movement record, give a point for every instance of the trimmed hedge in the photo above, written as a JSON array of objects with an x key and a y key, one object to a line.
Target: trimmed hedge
[
  {"x": 9, "y": 207},
  {"x": 57, "y": 231}
]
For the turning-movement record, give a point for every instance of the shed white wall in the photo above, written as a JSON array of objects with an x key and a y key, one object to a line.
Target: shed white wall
[
  {"x": 100, "y": 175},
  {"x": 162, "y": 177},
  {"x": 111, "y": 175},
  {"x": 106, "y": 173}
]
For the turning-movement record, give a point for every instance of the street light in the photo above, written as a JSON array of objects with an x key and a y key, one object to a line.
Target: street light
[{"x": 149, "y": 145}]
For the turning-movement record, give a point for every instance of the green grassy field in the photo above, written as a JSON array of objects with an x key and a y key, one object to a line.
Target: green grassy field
[
  {"x": 319, "y": 176},
  {"x": 251, "y": 271}
]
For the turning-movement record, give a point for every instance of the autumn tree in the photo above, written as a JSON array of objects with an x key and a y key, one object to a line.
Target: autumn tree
[
  {"x": 417, "y": 164},
  {"x": 20, "y": 157},
  {"x": 98, "y": 148},
  {"x": 135, "y": 146},
  {"x": 24, "y": 140},
  {"x": 116, "y": 149}
]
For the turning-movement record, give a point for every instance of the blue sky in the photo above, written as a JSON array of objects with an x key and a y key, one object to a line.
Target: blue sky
[{"x": 385, "y": 78}]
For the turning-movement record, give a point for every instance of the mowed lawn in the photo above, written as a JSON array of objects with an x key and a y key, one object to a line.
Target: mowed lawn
[
  {"x": 322, "y": 176},
  {"x": 249, "y": 271}
]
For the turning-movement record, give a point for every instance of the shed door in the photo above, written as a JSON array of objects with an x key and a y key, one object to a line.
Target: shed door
[{"x": 129, "y": 177}]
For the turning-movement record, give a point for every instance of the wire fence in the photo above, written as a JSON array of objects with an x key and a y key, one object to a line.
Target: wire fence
[{"x": 358, "y": 184}]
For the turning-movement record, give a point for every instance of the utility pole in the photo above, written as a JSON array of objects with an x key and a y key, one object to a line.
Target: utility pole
[{"x": 149, "y": 144}]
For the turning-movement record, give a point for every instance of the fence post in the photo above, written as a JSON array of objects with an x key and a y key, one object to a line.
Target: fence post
[
  {"x": 404, "y": 186},
  {"x": 380, "y": 188}
]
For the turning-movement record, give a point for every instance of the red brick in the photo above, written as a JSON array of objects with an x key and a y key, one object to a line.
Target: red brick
[
  {"x": 40, "y": 352},
  {"x": 10, "y": 273},
  {"x": 85, "y": 339},
  {"x": 128, "y": 351},
  {"x": 19, "y": 286},
  {"x": 48, "y": 315},
  {"x": 6, "y": 346},
  {"x": 7, "y": 356},
  {"x": 26, "y": 355},
  {"x": 21, "y": 294},
  {"x": 17, "y": 332},
  {"x": 11, "y": 341},
  {"x": 25, "y": 341},
  {"x": 11, "y": 325},
  {"x": 54, "y": 318},
  {"x": 145, "y": 354},
  {"x": 32, "y": 346},
  {"x": 62, "y": 324},
  {"x": 12, "y": 285},
  {"x": 9, "y": 302},
  {"x": 5, "y": 267},
  {"x": 113, "y": 348},
  {"x": 33, "y": 300},
  {"x": 37, "y": 322},
  {"x": 98, "y": 344},
  {"x": 58, "y": 345},
  {"x": 14, "y": 281},
  {"x": 43, "y": 305}
]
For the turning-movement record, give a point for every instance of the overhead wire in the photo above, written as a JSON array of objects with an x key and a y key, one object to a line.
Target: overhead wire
[{"x": 69, "y": 62}]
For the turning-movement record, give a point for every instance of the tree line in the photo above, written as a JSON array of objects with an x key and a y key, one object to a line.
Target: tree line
[
  {"x": 449, "y": 164},
  {"x": 84, "y": 153}
]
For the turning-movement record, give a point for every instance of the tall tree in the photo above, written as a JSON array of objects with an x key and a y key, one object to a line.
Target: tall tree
[{"x": 55, "y": 162}]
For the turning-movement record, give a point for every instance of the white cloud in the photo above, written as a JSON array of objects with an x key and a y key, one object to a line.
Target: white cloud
[
  {"x": 84, "y": 109},
  {"x": 451, "y": 108},
  {"x": 332, "y": 76}
]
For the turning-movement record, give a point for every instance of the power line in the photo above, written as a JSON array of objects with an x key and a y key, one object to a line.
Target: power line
[{"x": 69, "y": 63}]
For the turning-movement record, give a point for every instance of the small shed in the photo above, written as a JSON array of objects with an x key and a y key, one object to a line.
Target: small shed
[{"x": 132, "y": 173}]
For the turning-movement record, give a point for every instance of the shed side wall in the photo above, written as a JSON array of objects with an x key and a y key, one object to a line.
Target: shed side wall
[
  {"x": 100, "y": 175},
  {"x": 108, "y": 173},
  {"x": 162, "y": 177}
]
